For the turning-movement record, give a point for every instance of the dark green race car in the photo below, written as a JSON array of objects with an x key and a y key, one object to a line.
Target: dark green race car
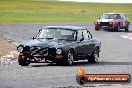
[{"x": 61, "y": 45}]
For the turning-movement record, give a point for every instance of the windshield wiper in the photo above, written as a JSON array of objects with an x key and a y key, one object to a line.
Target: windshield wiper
[
  {"x": 48, "y": 38},
  {"x": 66, "y": 39},
  {"x": 45, "y": 38}
]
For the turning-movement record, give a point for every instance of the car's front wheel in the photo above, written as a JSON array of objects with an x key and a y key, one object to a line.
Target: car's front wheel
[
  {"x": 70, "y": 57},
  {"x": 94, "y": 57}
]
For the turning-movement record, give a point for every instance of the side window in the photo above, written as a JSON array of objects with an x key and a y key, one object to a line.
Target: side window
[
  {"x": 89, "y": 34},
  {"x": 118, "y": 16},
  {"x": 86, "y": 36},
  {"x": 123, "y": 16},
  {"x": 80, "y": 35}
]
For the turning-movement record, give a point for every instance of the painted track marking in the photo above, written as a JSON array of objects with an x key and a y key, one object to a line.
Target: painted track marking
[{"x": 128, "y": 36}]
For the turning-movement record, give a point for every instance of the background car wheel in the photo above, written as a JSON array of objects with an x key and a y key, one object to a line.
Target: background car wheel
[
  {"x": 96, "y": 29},
  {"x": 70, "y": 57},
  {"x": 94, "y": 57},
  {"x": 126, "y": 29},
  {"x": 24, "y": 63},
  {"x": 117, "y": 28}
]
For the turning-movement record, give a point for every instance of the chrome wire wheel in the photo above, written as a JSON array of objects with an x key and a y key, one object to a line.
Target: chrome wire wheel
[
  {"x": 96, "y": 55},
  {"x": 70, "y": 58}
]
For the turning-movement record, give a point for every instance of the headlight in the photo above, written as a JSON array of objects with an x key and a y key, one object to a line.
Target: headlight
[
  {"x": 20, "y": 48},
  {"x": 97, "y": 22},
  {"x": 58, "y": 51}
]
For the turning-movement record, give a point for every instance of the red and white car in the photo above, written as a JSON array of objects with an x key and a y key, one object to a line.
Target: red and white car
[{"x": 112, "y": 21}]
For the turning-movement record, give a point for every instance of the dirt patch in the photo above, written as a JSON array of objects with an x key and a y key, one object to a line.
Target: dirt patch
[{"x": 6, "y": 47}]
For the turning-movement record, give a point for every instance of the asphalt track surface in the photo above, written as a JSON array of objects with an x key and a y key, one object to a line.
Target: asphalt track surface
[{"x": 115, "y": 58}]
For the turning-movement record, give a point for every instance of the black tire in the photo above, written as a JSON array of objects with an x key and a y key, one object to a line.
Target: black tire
[
  {"x": 24, "y": 63},
  {"x": 117, "y": 28},
  {"x": 96, "y": 29},
  {"x": 94, "y": 57},
  {"x": 70, "y": 58},
  {"x": 126, "y": 28}
]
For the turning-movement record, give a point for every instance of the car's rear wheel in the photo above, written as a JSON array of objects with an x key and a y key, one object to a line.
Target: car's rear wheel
[
  {"x": 126, "y": 28},
  {"x": 70, "y": 57},
  {"x": 24, "y": 62},
  {"x": 117, "y": 28},
  {"x": 96, "y": 29},
  {"x": 94, "y": 57}
]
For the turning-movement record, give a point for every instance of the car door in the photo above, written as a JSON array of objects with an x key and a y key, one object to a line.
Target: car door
[
  {"x": 123, "y": 21},
  {"x": 80, "y": 44},
  {"x": 88, "y": 42}
]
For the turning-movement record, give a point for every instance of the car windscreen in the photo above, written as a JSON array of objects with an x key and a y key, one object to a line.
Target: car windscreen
[
  {"x": 57, "y": 33},
  {"x": 111, "y": 16}
]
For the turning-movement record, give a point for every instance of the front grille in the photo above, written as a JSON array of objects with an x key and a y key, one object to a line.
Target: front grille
[
  {"x": 39, "y": 51},
  {"x": 104, "y": 23}
]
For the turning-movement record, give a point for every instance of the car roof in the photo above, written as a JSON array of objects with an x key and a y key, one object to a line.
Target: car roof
[{"x": 67, "y": 27}]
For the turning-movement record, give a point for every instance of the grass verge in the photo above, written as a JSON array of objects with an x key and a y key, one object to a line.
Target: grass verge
[{"x": 56, "y": 11}]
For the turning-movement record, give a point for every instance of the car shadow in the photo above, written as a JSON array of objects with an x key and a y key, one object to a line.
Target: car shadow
[
  {"x": 43, "y": 65},
  {"x": 101, "y": 63},
  {"x": 83, "y": 64}
]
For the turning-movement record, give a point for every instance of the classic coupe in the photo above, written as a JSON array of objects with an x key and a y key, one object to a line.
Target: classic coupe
[
  {"x": 112, "y": 21},
  {"x": 60, "y": 45}
]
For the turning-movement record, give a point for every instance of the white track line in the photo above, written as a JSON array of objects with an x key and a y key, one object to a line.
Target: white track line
[{"x": 128, "y": 36}]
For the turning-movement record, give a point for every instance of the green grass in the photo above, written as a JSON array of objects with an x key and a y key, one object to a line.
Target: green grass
[{"x": 55, "y": 11}]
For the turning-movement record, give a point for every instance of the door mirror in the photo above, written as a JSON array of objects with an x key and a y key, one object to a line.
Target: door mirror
[{"x": 33, "y": 38}]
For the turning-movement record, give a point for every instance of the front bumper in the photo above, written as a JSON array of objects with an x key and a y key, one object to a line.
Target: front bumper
[
  {"x": 105, "y": 25},
  {"x": 36, "y": 59}
]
